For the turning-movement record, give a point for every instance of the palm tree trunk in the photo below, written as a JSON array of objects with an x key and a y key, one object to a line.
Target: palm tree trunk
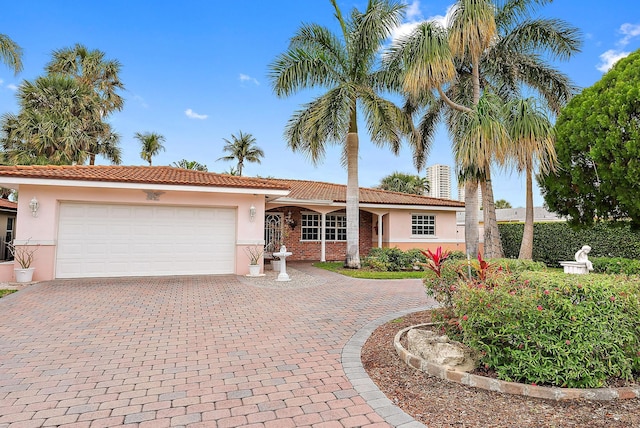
[
  {"x": 526, "y": 248},
  {"x": 92, "y": 159},
  {"x": 471, "y": 234},
  {"x": 240, "y": 165},
  {"x": 353, "y": 195},
  {"x": 492, "y": 241}
]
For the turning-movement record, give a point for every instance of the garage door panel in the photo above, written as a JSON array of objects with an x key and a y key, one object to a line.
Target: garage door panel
[{"x": 116, "y": 240}]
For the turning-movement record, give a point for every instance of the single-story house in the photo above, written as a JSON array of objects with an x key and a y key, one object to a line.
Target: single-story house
[{"x": 102, "y": 221}]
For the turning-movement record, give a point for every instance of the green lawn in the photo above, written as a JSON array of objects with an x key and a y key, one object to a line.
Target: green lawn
[
  {"x": 5, "y": 292},
  {"x": 367, "y": 273}
]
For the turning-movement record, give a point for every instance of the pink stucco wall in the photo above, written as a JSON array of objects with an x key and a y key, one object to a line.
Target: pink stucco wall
[
  {"x": 397, "y": 231},
  {"x": 42, "y": 230}
]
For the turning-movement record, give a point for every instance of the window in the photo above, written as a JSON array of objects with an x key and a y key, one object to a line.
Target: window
[
  {"x": 423, "y": 225},
  {"x": 310, "y": 227},
  {"x": 336, "y": 229}
]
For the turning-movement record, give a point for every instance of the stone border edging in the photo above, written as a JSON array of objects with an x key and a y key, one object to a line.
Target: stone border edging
[
  {"x": 362, "y": 383},
  {"x": 490, "y": 384}
]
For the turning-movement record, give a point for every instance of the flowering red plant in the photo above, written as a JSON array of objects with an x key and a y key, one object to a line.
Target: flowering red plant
[
  {"x": 435, "y": 260},
  {"x": 483, "y": 269}
]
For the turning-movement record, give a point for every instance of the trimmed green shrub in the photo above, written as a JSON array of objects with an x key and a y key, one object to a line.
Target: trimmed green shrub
[
  {"x": 616, "y": 265},
  {"x": 554, "y": 242},
  {"x": 516, "y": 265},
  {"x": 551, "y": 328},
  {"x": 393, "y": 259}
]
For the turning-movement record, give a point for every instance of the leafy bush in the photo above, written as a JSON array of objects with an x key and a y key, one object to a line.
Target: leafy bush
[
  {"x": 616, "y": 265},
  {"x": 516, "y": 265},
  {"x": 393, "y": 259},
  {"x": 550, "y": 328},
  {"x": 554, "y": 242}
]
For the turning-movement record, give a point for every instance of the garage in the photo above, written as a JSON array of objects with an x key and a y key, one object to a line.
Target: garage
[{"x": 103, "y": 240}]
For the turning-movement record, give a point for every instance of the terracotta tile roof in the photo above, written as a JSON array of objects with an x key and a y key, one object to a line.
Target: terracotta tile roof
[
  {"x": 4, "y": 203},
  {"x": 138, "y": 174},
  {"x": 302, "y": 189}
]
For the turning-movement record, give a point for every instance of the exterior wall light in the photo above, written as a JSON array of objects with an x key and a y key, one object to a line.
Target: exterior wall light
[
  {"x": 34, "y": 205},
  {"x": 252, "y": 212}
]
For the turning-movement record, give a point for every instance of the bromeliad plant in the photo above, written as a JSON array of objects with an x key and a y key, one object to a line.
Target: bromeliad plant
[{"x": 435, "y": 260}]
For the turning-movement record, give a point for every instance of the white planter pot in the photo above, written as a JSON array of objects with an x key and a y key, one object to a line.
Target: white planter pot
[
  {"x": 275, "y": 265},
  {"x": 24, "y": 275},
  {"x": 254, "y": 270}
]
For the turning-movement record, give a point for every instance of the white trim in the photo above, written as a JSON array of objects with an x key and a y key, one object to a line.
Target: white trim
[
  {"x": 244, "y": 242},
  {"x": 438, "y": 240},
  {"x": 139, "y": 186},
  {"x": 31, "y": 242}
]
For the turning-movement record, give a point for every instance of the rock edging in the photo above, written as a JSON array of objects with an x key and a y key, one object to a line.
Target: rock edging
[{"x": 490, "y": 384}]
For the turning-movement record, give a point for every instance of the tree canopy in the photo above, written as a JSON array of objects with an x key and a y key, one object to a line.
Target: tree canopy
[
  {"x": 405, "y": 183},
  {"x": 598, "y": 149},
  {"x": 242, "y": 148}
]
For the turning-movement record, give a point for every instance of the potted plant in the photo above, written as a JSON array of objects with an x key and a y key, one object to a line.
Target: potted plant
[
  {"x": 254, "y": 253},
  {"x": 24, "y": 255}
]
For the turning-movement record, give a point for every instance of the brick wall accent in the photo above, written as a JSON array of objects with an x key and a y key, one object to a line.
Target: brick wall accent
[{"x": 310, "y": 251}]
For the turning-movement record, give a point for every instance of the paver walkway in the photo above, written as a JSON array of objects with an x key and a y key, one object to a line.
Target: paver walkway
[{"x": 210, "y": 351}]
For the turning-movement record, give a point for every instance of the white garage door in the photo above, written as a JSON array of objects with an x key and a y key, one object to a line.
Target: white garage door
[{"x": 100, "y": 240}]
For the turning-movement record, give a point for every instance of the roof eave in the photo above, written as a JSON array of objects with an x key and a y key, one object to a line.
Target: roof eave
[{"x": 15, "y": 182}]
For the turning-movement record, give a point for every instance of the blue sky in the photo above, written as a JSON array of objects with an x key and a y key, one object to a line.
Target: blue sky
[{"x": 196, "y": 72}]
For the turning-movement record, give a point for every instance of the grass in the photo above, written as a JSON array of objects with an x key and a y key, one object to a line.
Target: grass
[
  {"x": 367, "y": 273},
  {"x": 6, "y": 292}
]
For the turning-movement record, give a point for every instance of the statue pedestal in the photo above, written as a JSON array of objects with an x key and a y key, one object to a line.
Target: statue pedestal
[
  {"x": 282, "y": 255},
  {"x": 575, "y": 268}
]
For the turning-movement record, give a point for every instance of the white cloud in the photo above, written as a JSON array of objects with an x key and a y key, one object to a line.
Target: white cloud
[
  {"x": 414, "y": 18},
  {"x": 629, "y": 31},
  {"x": 193, "y": 115},
  {"x": 12, "y": 87},
  {"x": 609, "y": 58},
  {"x": 413, "y": 11},
  {"x": 141, "y": 100},
  {"x": 246, "y": 78}
]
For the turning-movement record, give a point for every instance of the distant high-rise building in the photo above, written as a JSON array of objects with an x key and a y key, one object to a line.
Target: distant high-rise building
[{"x": 439, "y": 177}]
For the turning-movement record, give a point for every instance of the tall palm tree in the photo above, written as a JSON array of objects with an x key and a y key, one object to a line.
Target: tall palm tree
[
  {"x": 347, "y": 67},
  {"x": 533, "y": 144},
  {"x": 242, "y": 148},
  {"x": 10, "y": 53},
  {"x": 50, "y": 127},
  {"x": 498, "y": 48},
  {"x": 90, "y": 68},
  {"x": 185, "y": 164},
  {"x": 151, "y": 145}
]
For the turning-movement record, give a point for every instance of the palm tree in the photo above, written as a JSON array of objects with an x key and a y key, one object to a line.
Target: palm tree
[
  {"x": 499, "y": 49},
  {"x": 405, "y": 183},
  {"x": 242, "y": 148},
  {"x": 533, "y": 143},
  {"x": 502, "y": 204},
  {"x": 10, "y": 53},
  {"x": 185, "y": 164},
  {"x": 90, "y": 68},
  {"x": 151, "y": 145},
  {"x": 348, "y": 69},
  {"x": 51, "y": 126}
]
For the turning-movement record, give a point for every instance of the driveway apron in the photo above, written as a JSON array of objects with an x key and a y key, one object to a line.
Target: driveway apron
[{"x": 211, "y": 351}]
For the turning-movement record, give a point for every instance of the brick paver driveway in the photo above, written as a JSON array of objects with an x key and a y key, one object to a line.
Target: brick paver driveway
[{"x": 188, "y": 351}]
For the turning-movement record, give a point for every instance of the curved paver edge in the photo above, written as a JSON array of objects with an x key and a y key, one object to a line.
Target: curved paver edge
[
  {"x": 362, "y": 383},
  {"x": 490, "y": 384}
]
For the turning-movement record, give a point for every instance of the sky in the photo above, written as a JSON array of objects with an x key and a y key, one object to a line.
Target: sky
[{"x": 196, "y": 72}]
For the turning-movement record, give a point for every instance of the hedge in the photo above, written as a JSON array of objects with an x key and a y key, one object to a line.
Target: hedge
[{"x": 553, "y": 242}]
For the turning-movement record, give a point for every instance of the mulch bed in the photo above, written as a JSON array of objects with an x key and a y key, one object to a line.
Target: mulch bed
[{"x": 438, "y": 403}]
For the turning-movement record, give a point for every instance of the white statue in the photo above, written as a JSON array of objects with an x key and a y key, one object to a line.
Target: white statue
[{"x": 581, "y": 256}]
